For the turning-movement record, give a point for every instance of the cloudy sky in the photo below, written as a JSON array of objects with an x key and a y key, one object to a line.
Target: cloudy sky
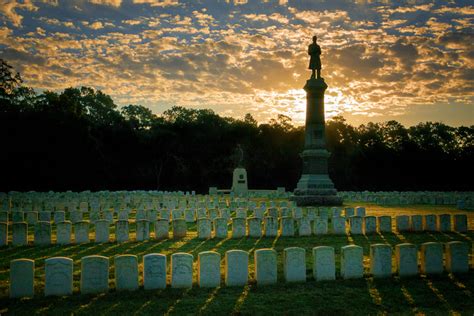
[{"x": 406, "y": 60}]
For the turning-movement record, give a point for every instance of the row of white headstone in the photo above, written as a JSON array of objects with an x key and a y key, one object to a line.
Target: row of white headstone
[
  {"x": 219, "y": 228},
  {"x": 93, "y": 201},
  {"x": 95, "y": 269},
  {"x": 190, "y": 215},
  {"x": 404, "y": 198}
]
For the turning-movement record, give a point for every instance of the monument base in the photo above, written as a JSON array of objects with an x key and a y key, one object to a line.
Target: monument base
[
  {"x": 312, "y": 198},
  {"x": 316, "y": 190}
]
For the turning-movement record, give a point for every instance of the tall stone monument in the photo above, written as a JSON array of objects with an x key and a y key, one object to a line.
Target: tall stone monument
[{"x": 315, "y": 187}]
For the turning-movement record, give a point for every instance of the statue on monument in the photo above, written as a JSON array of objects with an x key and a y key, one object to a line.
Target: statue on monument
[
  {"x": 314, "y": 50},
  {"x": 238, "y": 157}
]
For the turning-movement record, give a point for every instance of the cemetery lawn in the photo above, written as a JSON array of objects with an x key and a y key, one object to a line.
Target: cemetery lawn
[{"x": 428, "y": 295}]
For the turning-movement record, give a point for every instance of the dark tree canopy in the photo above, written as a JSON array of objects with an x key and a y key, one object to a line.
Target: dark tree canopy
[{"x": 78, "y": 139}]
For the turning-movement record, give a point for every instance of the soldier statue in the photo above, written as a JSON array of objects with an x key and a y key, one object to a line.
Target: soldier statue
[{"x": 315, "y": 61}]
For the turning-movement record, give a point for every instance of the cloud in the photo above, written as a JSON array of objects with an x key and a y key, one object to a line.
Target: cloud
[
  {"x": 8, "y": 8},
  {"x": 265, "y": 18},
  {"x": 407, "y": 54},
  {"x": 313, "y": 17},
  {"x": 56, "y": 22},
  {"x": 467, "y": 10},
  {"x": 113, "y": 3},
  {"x": 97, "y": 25},
  {"x": 158, "y": 3},
  {"x": 377, "y": 59}
]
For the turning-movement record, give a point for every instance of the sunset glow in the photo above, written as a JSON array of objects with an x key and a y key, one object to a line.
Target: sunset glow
[{"x": 410, "y": 61}]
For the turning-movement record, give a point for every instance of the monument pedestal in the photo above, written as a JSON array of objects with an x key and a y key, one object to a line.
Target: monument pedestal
[
  {"x": 239, "y": 181},
  {"x": 315, "y": 187}
]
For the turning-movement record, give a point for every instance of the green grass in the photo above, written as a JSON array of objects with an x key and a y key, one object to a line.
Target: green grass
[{"x": 430, "y": 295}]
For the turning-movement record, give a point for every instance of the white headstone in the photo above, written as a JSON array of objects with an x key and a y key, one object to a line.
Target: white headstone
[
  {"x": 202, "y": 213},
  {"x": 63, "y": 233},
  {"x": 102, "y": 231},
  {"x": 431, "y": 258},
  {"x": 338, "y": 225},
  {"x": 179, "y": 228},
  {"x": 43, "y": 233},
  {"x": 22, "y": 278},
  {"x": 189, "y": 215},
  {"x": 165, "y": 214},
  {"x": 287, "y": 226},
  {"x": 109, "y": 216},
  {"x": 220, "y": 227},
  {"x": 238, "y": 227},
  {"x": 94, "y": 274},
  {"x": 154, "y": 271},
  {"x": 59, "y": 216},
  {"x": 403, "y": 223},
  {"x": 460, "y": 223},
  {"x": 355, "y": 225},
  {"x": 360, "y": 211},
  {"x": 121, "y": 231},
  {"x": 142, "y": 230},
  {"x": 270, "y": 226},
  {"x": 265, "y": 266},
  {"x": 444, "y": 223},
  {"x": 430, "y": 223},
  {"x": 294, "y": 264},
  {"x": 304, "y": 227},
  {"x": 370, "y": 225},
  {"x": 297, "y": 213},
  {"x": 320, "y": 226},
  {"x": 324, "y": 267},
  {"x": 162, "y": 228},
  {"x": 348, "y": 212},
  {"x": 58, "y": 276},
  {"x": 416, "y": 223},
  {"x": 385, "y": 224},
  {"x": 236, "y": 267},
  {"x": 81, "y": 232},
  {"x": 381, "y": 260},
  {"x": 122, "y": 215},
  {"x": 140, "y": 214},
  {"x": 406, "y": 257},
  {"x": 351, "y": 262},
  {"x": 126, "y": 272},
  {"x": 209, "y": 271},
  {"x": 204, "y": 228},
  {"x": 255, "y": 227},
  {"x": 457, "y": 257},
  {"x": 181, "y": 270}
]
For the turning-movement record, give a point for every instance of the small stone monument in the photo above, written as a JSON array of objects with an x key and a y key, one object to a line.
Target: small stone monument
[
  {"x": 239, "y": 176},
  {"x": 315, "y": 187}
]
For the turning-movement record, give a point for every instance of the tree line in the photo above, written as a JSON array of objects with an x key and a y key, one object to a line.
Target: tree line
[{"x": 79, "y": 139}]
